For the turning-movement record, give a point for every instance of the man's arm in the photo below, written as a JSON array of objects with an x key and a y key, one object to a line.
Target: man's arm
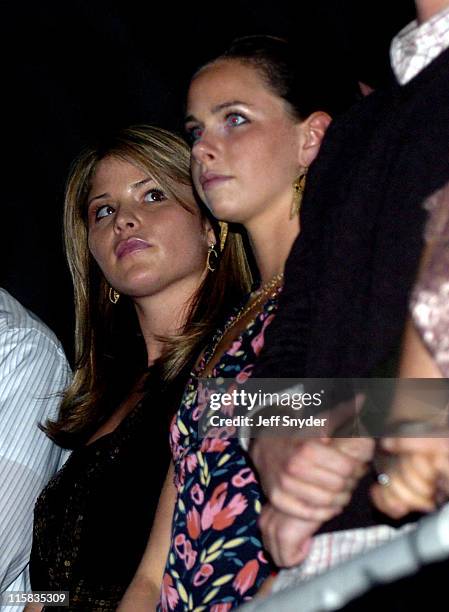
[{"x": 33, "y": 373}]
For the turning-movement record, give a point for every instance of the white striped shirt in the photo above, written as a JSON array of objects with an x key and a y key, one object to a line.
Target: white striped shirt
[{"x": 33, "y": 372}]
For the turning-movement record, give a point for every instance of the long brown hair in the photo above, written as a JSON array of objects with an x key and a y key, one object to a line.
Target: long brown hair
[{"x": 110, "y": 353}]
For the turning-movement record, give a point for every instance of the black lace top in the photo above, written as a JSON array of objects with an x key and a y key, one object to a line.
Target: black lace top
[{"x": 93, "y": 519}]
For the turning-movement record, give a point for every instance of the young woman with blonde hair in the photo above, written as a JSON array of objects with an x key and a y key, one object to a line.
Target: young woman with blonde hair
[{"x": 141, "y": 252}]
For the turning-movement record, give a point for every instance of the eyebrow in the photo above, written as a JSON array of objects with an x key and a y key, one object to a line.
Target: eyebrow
[
  {"x": 219, "y": 107},
  {"x": 133, "y": 186}
]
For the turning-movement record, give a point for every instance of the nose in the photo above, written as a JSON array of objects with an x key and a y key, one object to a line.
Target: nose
[
  {"x": 204, "y": 150},
  {"x": 126, "y": 217}
]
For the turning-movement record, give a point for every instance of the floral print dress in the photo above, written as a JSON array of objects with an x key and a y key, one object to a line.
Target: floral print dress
[{"x": 216, "y": 559}]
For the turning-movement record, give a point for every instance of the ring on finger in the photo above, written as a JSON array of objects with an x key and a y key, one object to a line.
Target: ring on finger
[{"x": 384, "y": 479}]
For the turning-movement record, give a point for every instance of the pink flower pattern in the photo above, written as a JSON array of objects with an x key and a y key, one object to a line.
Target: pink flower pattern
[
  {"x": 169, "y": 595},
  {"x": 226, "y": 516},
  {"x": 191, "y": 462},
  {"x": 218, "y": 497},
  {"x": 258, "y": 342},
  {"x": 243, "y": 478},
  {"x": 246, "y": 576},
  {"x": 203, "y": 574},
  {"x": 193, "y": 523},
  {"x": 197, "y": 495}
]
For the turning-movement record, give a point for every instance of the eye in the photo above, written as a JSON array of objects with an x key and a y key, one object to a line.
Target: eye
[
  {"x": 235, "y": 119},
  {"x": 103, "y": 211},
  {"x": 154, "y": 195},
  {"x": 194, "y": 133}
]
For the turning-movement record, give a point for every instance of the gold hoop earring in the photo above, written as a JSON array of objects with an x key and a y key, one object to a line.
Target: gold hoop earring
[
  {"x": 211, "y": 252},
  {"x": 223, "y": 234},
  {"x": 299, "y": 185},
  {"x": 114, "y": 295}
]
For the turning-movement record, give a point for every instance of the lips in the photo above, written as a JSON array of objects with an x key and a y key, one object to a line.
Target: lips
[
  {"x": 209, "y": 180},
  {"x": 130, "y": 245}
]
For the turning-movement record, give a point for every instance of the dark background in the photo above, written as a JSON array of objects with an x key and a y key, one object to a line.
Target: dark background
[{"x": 78, "y": 68}]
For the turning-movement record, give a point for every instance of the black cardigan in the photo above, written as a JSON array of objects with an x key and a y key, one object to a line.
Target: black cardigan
[{"x": 349, "y": 273}]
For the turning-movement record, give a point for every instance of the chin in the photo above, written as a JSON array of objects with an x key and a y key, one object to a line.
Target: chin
[
  {"x": 140, "y": 293},
  {"x": 142, "y": 287},
  {"x": 226, "y": 211}
]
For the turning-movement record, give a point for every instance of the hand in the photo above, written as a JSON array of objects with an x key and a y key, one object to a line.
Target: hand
[
  {"x": 287, "y": 539},
  {"x": 418, "y": 478},
  {"x": 310, "y": 479},
  {"x": 438, "y": 445}
]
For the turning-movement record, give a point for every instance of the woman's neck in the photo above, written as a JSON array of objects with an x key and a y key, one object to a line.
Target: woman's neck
[
  {"x": 271, "y": 240},
  {"x": 164, "y": 314}
]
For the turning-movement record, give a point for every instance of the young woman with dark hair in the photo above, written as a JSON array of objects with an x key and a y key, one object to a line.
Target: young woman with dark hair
[{"x": 255, "y": 130}]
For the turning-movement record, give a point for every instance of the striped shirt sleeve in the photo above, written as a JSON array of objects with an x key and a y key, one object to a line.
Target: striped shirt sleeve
[{"x": 33, "y": 373}]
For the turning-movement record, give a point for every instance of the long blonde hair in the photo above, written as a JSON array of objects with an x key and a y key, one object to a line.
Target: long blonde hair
[{"x": 109, "y": 349}]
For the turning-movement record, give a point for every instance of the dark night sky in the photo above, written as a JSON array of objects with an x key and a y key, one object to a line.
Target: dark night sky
[{"x": 77, "y": 68}]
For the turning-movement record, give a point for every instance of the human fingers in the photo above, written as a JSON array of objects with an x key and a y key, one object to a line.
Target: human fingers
[
  {"x": 284, "y": 491},
  {"x": 387, "y": 502},
  {"x": 315, "y": 452},
  {"x": 400, "y": 486},
  {"x": 296, "y": 501},
  {"x": 419, "y": 472},
  {"x": 301, "y": 470},
  {"x": 312, "y": 493},
  {"x": 399, "y": 445},
  {"x": 287, "y": 540},
  {"x": 397, "y": 498},
  {"x": 270, "y": 457},
  {"x": 361, "y": 449}
]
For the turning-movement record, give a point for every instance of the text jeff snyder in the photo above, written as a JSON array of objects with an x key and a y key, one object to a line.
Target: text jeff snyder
[{"x": 261, "y": 421}]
